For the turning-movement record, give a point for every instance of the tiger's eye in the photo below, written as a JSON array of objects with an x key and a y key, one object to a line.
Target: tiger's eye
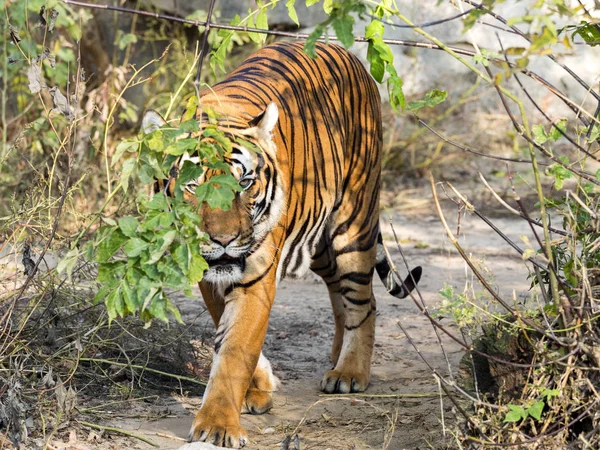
[{"x": 245, "y": 183}]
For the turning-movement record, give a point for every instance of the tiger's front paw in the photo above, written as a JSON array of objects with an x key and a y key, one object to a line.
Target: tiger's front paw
[
  {"x": 220, "y": 429},
  {"x": 338, "y": 382},
  {"x": 257, "y": 401}
]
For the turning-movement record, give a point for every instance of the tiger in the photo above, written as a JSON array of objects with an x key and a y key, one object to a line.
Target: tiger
[{"x": 309, "y": 199}]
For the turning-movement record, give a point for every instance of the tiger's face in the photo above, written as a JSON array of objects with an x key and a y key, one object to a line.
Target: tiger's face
[{"x": 234, "y": 235}]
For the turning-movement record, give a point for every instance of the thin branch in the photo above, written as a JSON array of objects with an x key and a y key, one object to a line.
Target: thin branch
[
  {"x": 204, "y": 47},
  {"x": 421, "y": 25},
  {"x": 468, "y": 149}
]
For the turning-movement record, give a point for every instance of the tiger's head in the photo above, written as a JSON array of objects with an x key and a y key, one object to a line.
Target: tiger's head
[{"x": 236, "y": 234}]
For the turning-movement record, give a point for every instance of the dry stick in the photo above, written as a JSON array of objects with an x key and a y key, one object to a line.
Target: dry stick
[
  {"x": 118, "y": 430},
  {"x": 423, "y": 304},
  {"x": 489, "y": 223},
  {"x": 514, "y": 211},
  {"x": 467, "y": 149},
  {"x": 148, "y": 369},
  {"x": 203, "y": 48},
  {"x": 427, "y": 45}
]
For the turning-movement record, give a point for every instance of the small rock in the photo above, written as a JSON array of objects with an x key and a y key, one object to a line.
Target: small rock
[
  {"x": 269, "y": 430},
  {"x": 199, "y": 446}
]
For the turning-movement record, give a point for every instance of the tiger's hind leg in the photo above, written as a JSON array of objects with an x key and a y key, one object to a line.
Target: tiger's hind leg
[
  {"x": 348, "y": 276},
  {"x": 324, "y": 265},
  {"x": 259, "y": 397}
]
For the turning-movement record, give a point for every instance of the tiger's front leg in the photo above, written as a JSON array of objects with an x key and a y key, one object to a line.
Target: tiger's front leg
[{"x": 238, "y": 343}]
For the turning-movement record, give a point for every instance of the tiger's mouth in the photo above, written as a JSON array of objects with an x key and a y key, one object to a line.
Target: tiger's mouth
[
  {"x": 226, "y": 260},
  {"x": 225, "y": 270}
]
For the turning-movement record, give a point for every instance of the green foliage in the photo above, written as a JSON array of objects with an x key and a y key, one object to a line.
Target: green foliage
[
  {"x": 589, "y": 32},
  {"x": 141, "y": 259},
  {"x": 559, "y": 173},
  {"x": 432, "y": 98},
  {"x": 340, "y": 19},
  {"x": 457, "y": 306}
]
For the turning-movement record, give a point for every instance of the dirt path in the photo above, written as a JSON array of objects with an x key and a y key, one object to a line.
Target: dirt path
[{"x": 299, "y": 339}]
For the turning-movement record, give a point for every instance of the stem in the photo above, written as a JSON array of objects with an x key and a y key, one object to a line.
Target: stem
[
  {"x": 118, "y": 430},
  {"x": 109, "y": 117},
  {"x": 147, "y": 369}
]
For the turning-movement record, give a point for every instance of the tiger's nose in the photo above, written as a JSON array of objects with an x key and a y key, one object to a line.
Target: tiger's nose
[{"x": 224, "y": 240}]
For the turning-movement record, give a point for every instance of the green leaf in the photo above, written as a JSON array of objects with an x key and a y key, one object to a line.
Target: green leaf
[
  {"x": 127, "y": 39},
  {"x": 128, "y": 225},
  {"x": 110, "y": 272},
  {"x": 157, "y": 203},
  {"x": 127, "y": 171},
  {"x": 589, "y": 32},
  {"x": 218, "y": 192},
  {"x": 129, "y": 298},
  {"x": 155, "y": 141},
  {"x": 539, "y": 134},
  {"x": 125, "y": 146},
  {"x": 197, "y": 267},
  {"x": 343, "y": 26},
  {"x": 190, "y": 109},
  {"x": 219, "y": 137},
  {"x": 188, "y": 172},
  {"x": 181, "y": 255},
  {"x": 559, "y": 172},
  {"x": 67, "y": 264},
  {"x": 431, "y": 99},
  {"x": 181, "y": 146},
  {"x": 114, "y": 305},
  {"x": 292, "y": 11},
  {"x": 536, "y": 409},
  {"x": 311, "y": 40},
  {"x": 544, "y": 39},
  {"x": 375, "y": 28},
  {"x": 396, "y": 93},
  {"x": 311, "y": 2},
  {"x": 515, "y": 414},
  {"x": 110, "y": 245},
  {"x": 158, "y": 308},
  {"x": 172, "y": 309},
  {"x": 248, "y": 145},
  {"x": 166, "y": 241},
  {"x": 555, "y": 134},
  {"x": 134, "y": 247}
]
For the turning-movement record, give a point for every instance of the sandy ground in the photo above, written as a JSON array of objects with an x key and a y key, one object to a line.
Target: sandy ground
[{"x": 402, "y": 408}]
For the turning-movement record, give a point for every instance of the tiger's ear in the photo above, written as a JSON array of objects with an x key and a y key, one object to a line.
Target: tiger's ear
[
  {"x": 265, "y": 122},
  {"x": 152, "y": 121}
]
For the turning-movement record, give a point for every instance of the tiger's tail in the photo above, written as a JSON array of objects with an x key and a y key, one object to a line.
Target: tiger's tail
[{"x": 393, "y": 284}]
